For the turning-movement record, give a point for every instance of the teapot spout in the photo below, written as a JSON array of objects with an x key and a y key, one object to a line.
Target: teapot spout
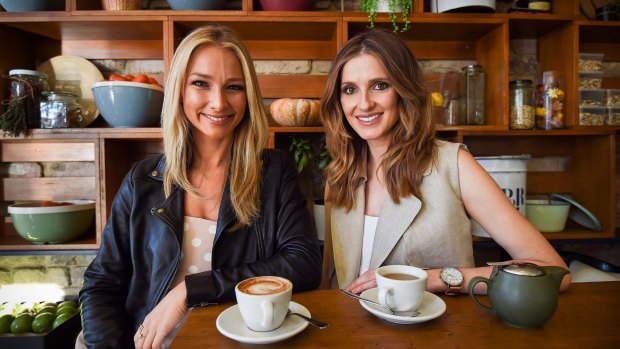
[{"x": 556, "y": 273}]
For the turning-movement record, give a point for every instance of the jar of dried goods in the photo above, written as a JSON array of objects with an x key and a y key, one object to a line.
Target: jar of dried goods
[
  {"x": 521, "y": 109},
  {"x": 550, "y": 102},
  {"x": 26, "y": 86}
]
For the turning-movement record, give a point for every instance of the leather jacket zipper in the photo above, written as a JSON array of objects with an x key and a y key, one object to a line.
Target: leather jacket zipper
[{"x": 160, "y": 213}]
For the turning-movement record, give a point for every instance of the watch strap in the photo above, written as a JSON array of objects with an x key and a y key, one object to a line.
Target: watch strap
[{"x": 454, "y": 290}]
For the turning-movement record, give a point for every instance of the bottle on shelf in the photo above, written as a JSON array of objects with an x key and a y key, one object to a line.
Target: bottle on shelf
[
  {"x": 473, "y": 93},
  {"x": 550, "y": 102}
]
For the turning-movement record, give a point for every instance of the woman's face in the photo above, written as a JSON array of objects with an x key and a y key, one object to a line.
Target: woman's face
[
  {"x": 214, "y": 96},
  {"x": 369, "y": 101}
]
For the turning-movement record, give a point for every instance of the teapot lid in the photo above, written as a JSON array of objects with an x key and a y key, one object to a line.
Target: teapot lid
[{"x": 525, "y": 269}]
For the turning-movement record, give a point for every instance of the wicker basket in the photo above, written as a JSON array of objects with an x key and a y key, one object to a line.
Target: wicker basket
[{"x": 120, "y": 5}]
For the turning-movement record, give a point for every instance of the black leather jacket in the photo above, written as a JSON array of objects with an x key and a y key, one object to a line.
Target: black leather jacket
[{"x": 141, "y": 245}]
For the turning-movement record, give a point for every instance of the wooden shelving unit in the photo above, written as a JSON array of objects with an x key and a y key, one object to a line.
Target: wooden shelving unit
[{"x": 84, "y": 29}]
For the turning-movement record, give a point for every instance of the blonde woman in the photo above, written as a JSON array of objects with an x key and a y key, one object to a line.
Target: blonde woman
[{"x": 214, "y": 209}]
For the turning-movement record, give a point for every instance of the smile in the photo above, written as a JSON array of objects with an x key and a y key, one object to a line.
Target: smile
[
  {"x": 368, "y": 118},
  {"x": 217, "y": 118}
]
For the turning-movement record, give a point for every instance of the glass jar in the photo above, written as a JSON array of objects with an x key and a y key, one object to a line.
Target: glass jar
[
  {"x": 60, "y": 109},
  {"x": 549, "y": 99},
  {"x": 521, "y": 109},
  {"x": 28, "y": 84},
  {"x": 473, "y": 93}
]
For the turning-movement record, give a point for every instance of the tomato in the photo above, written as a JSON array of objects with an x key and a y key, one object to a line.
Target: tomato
[
  {"x": 129, "y": 77},
  {"x": 153, "y": 81},
  {"x": 116, "y": 77},
  {"x": 141, "y": 78}
]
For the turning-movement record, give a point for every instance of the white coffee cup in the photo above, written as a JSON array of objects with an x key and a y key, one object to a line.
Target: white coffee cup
[
  {"x": 263, "y": 301},
  {"x": 401, "y": 287}
]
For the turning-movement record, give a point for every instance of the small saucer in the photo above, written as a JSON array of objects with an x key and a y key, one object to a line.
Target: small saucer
[
  {"x": 230, "y": 324},
  {"x": 431, "y": 308}
]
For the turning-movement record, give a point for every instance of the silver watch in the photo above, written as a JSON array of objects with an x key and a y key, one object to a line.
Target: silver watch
[{"x": 452, "y": 277}]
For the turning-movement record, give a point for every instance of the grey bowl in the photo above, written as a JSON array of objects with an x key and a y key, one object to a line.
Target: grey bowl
[
  {"x": 128, "y": 104},
  {"x": 32, "y": 5},
  {"x": 196, "y": 4}
]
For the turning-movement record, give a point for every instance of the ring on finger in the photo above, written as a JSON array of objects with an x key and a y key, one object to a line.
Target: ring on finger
[{"x": 140, "y": 329}]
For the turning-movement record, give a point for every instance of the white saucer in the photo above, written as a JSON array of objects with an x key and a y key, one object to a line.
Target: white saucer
[
  {"x": 230, "y": 324},
  {"x": 432, "y": 307}
]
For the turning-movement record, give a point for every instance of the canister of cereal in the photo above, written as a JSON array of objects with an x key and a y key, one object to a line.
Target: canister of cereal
[{"x": 521, "y": 109}]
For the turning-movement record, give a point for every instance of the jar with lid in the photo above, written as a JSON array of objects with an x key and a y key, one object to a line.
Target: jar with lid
[
  {"x": 473, "y": 94},
  {"x": 549, "y": 99},
  {"x": 60, "y": 109},
  {"x": 521, "y": 109},
  {"x": 28, "y": 85}
]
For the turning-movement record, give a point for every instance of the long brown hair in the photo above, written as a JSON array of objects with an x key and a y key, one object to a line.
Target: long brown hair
[
  {"x": 412, "y": 148},
  {"x": 250, "y": 135}
]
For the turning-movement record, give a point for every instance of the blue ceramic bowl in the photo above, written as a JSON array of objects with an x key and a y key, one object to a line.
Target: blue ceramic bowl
[
  {"x": 52, "y": 222},
  {"x": 196, "y": 4},
  {"x": 32, "y": 5},
  {"x": 129, "y": 104}
]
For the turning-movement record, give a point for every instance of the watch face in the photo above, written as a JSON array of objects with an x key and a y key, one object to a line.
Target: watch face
[{"x": 452, "y": 276}]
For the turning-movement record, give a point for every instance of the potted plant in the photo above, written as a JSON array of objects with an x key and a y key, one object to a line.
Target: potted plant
[
  {"x": 391, "y": 7},
  {"x": 304, "y": 153},
  {"x": 313, "y": 153}
]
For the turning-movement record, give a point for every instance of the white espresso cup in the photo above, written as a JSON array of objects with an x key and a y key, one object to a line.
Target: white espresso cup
[
  {"x": 401, "y": 287},
  {"x": 263, "y": 301}
]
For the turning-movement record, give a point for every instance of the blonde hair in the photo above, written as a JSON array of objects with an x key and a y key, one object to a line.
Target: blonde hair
[
  {"x": 412, "y": 146},
  {"x": 250, "y": 136}
]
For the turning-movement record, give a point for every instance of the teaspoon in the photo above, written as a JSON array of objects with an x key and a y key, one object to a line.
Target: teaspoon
[
  {"x": 317, "y": 323},
  {"x": 392, "y": 312}
]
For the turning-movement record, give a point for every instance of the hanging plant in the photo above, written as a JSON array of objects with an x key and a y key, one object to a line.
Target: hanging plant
[{"x": 405, "y": 7}]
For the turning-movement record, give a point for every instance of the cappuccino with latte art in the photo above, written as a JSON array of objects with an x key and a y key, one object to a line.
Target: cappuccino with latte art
[
  {"x": 264, "y": 285},
  {"x": 263, "y": 301}
]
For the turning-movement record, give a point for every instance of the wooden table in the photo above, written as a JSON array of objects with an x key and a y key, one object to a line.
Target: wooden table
[{"x": 588, "y": 317}]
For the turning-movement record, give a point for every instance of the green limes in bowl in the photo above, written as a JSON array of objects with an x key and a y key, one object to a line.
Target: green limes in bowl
[
  {"x": 43, "y": 322},
  {"x": 66, "y": 310},
  {"x": 5, "y": 323},
  {"x": 67, "y": 303},
  {"x": 22, "y": 323},
  {"x": 60, "y": 319},
  {"x": 48, "y": 304},
  {"x": 47, "y": 309}
]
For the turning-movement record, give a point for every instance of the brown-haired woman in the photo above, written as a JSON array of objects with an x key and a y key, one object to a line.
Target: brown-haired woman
[{"x": 399, "y": 195}]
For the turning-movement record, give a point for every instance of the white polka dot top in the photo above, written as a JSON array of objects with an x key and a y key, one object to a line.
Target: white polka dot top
[{"x": 198, "y": 236}]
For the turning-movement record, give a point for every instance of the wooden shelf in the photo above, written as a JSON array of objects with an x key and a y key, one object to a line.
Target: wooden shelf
[{"x": 85, "y": 30}]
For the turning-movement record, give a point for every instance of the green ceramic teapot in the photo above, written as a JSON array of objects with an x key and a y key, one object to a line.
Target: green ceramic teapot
[{"x": 523, "y": 295}]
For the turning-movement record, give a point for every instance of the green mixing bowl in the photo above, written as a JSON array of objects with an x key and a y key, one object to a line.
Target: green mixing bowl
[
  {"x": 52, "y": 222},
  {"x": 548, "y": 216}
]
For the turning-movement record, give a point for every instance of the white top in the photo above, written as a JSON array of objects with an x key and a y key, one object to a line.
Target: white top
[
  {"x": 370, "y": 227},
  {"x": 198, "y": 236}
]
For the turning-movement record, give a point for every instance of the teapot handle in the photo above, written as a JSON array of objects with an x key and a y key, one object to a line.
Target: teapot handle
[{"x": 472, "y": 284}]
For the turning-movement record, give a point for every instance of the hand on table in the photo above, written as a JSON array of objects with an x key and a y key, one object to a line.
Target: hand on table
[
  {"x": 160, "y": 322},
  {"x": 363, "y": 283}
]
